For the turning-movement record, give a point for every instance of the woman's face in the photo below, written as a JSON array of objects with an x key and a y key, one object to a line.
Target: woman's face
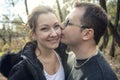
[{"x": 47, "y": 32}]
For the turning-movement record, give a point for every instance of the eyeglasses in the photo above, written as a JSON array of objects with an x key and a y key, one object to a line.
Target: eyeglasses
[{"x": 68, "y": 23}]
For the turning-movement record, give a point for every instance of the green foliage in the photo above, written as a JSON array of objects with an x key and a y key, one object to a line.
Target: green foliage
[
  {"x": 5, "y": 47},
  {"x": 1, "y": 53},
  {"x": 15, "y": 46}
]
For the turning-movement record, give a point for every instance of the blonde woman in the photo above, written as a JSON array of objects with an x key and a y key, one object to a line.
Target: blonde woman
[{"x": 39, "y": 60}]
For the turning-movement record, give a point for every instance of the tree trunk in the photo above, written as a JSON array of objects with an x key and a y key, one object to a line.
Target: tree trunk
[
  {"x": 59, "y": 10},
  {"x": 26, "y": 7},
  {"x": 105, "y": 36}
]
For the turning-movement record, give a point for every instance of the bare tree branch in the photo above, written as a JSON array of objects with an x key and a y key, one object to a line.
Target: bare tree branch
[
  {"x": 26, "y": 7},
  {"x": 60, "y": 13},
  {"x": 12, "y": 22}
]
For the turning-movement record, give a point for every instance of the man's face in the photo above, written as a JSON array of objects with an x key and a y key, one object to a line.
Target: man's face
[{"x": 71, "y": 32}]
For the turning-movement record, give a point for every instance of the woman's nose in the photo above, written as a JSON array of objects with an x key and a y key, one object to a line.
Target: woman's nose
[
  {"x": 62, "y": 25},
  {"x": 53, "y": 32}
]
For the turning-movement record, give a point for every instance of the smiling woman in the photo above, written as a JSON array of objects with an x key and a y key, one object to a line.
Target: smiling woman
[{"x": 39, "y": 59}]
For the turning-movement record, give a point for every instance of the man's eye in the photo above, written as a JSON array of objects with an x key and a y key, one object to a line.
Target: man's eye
[
  {"x": 69, "y": 23},
  {"x": 66, "y": 22}
]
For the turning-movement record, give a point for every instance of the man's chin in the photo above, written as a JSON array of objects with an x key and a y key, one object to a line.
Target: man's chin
[{"x": 63, "y": 41}]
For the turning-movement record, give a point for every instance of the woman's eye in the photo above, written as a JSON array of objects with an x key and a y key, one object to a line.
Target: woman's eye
[
  {"x": 45, "y": 29},
  {"x": 56, "y": 26}
]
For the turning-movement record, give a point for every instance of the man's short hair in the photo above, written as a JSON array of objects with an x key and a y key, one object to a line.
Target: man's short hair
[{"x": 94, "y": 17}]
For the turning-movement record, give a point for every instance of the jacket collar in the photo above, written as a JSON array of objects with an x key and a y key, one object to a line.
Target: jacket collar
[
  {"x": 29, "y": 53},
  {"x": 29, "y": 50}
]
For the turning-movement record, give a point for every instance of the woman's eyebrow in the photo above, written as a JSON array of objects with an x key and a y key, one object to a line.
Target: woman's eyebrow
[
  {"x": 56, "y": 23},
  {"x": 43, "y": 25}
]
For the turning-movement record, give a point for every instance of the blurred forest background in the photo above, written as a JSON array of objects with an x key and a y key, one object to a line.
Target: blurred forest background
[{"x": 14, "y": 34}]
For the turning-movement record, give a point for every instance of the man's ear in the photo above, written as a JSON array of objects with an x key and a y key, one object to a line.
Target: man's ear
[{"x": 88, "y": 34}]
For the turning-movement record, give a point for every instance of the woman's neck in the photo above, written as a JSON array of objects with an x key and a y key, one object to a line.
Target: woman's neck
[{"x": 43, "y": 52}]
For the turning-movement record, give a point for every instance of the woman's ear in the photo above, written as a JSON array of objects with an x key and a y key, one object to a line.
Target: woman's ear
[
  {"x": 88, "y": 34},
  {"x": 32, "y": 35}
]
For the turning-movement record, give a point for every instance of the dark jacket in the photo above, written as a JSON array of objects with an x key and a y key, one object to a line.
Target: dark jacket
[
  {"x": 96, "y": 68},
  {"x": 26, "y": 66}
]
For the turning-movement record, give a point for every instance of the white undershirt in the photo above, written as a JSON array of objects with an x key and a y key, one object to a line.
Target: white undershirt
[{"x": 59, "y": 75}]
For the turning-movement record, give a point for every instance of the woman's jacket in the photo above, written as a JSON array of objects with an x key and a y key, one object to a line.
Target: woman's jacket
[{"x": 25, "y": 65}]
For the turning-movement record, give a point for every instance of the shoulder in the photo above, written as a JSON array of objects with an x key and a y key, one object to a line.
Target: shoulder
[
  {"x": 20, "y": 72},
  {"x": 7, "y": 61},
  {"x": 107, "y": 76},
  {"x": 26, "y": 70},
  {"x": 104, "y": 70}
]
